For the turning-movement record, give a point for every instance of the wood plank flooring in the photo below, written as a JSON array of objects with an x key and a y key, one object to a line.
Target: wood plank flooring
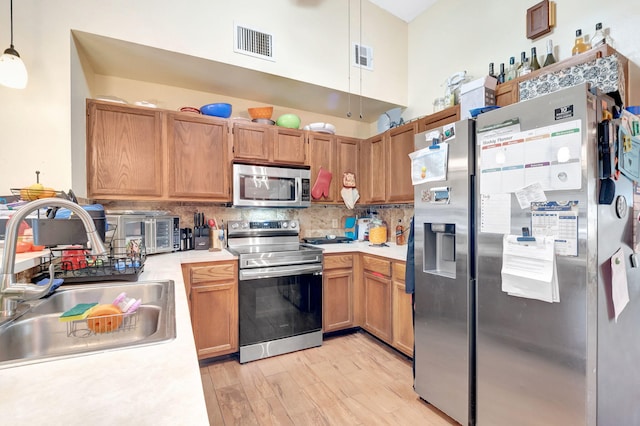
[{"x": 351, "y": 379}]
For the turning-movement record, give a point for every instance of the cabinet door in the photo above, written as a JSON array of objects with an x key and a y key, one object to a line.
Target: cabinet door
[
  {"x": 372, "y": 166},
  {"x": 289, "y": 146},
  {"x": 377, "y": 309},
  {"x": 322, "y": 153},
  {"x": 439, "y": 119},
  {"x": 199, "y": 165},
  {"x": 398, "y": 182},
  {"x": 348, "y": 152},
  {"x": 337, "y": 299},
  {"x": 507, "y": 93},
  {"x": 251, "y": 141},
  {"x": 124, "y": 151},
  {"x": 402, "y": 312},
  {"x": 214, "y": 315}
]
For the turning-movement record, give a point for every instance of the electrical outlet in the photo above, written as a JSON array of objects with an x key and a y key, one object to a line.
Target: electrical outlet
[{"x": 334, "y": 223}]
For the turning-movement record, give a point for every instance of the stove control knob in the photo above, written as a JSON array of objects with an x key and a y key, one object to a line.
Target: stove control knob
[
  {"x": 234, "y": 226},
  {"x": 245, "y": 225},
  {"x": 285, "y": 224},
  {"x": 293, "y": 224}
]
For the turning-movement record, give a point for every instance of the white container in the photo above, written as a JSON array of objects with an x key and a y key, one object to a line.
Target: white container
[{"x": 477, "y": 94}]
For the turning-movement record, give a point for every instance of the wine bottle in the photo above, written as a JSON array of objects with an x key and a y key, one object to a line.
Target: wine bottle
[
  {"x": 579, "y": 46},
  {"x": 524, "y": 65},
  {"x": 511, "y": 71},
  {"x": 535, "y": 65},
  {"x": 549, "y": 59},
  {"x": 501, "y": 75},
  {"x": 492, "y": 73},
  {"x": 598, "y": 37}
]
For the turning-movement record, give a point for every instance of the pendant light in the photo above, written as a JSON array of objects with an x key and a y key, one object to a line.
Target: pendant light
[{"x": 13, "y": 73}]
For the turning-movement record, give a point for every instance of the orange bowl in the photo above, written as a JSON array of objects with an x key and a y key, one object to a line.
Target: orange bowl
[{"x": 260, "y": 112}]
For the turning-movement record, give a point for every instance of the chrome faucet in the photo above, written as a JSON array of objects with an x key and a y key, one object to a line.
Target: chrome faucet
[{"x": 11, "y": 292}]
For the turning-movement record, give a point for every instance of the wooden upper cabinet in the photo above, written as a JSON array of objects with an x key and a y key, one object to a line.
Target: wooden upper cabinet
[
  {"x": 124, "y": 151},
  {"x": 372, "y": 169},
  {"x": 198, "y": 160},
  {"x": 399, "y": 187},
  {"x": 289, "y": 146},
  {"x": 251, "y": 141},
  {"x": 347, "y": 154},
  {"x": 439, "y": 119},
  {"x": 263, "y": 143},
  {"x": 507, "y": 93},
  {"x": 321, "y": 153}
]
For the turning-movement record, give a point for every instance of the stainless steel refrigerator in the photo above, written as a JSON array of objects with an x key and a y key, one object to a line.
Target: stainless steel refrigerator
[{"x": 485, "y": 355}]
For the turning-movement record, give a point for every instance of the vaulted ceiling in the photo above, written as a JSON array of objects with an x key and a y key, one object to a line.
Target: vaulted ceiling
[{"x": 407, "y": 10}]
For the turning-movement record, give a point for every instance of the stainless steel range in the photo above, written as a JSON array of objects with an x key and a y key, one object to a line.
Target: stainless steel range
[{"x": 280, "y": 288}]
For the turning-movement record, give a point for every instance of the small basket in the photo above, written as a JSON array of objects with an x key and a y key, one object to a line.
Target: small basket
[
  {"x": 261, "y": 112},
  {"x": 102, "y": 325}
]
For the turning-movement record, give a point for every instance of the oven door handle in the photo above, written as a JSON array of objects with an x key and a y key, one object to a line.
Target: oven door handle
[{"x": 279, "y": 271}]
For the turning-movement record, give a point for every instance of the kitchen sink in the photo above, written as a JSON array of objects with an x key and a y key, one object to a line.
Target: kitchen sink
[{"x": 39, "y": 336}]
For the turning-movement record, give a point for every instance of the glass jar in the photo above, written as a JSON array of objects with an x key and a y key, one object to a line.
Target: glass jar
[
  {"x": 438, "y": 104},
  {"x": 377, "y": 232}
]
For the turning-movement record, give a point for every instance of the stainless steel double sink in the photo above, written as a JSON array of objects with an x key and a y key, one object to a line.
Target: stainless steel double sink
[{"x": 38, "y": 335}]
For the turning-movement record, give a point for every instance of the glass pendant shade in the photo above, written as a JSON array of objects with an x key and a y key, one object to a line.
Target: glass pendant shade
[{"x": 13, "y": 73}]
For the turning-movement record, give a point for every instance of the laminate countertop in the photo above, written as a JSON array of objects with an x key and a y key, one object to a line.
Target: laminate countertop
[{"x": 150, "y": 385}]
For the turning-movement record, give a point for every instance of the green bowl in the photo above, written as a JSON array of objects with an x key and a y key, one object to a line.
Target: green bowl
[{"x": 290, "y": 121}]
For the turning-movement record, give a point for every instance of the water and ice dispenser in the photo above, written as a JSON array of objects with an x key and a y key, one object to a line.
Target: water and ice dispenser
[{"x": 440, "y": 249}]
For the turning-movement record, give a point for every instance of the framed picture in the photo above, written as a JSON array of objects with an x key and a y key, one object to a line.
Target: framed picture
[{"x": 538, "y": 22}]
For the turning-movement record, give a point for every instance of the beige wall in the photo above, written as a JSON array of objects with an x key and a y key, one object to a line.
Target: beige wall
[
  {"x": 310, "y": 36},
  {"x": 457, "y": 35}
]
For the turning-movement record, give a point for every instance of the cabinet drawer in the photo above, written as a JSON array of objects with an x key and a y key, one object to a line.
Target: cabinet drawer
[
  {"x": 213, "y": 272},
  {"x": 338, "y": 262},
  {"x": 399, "y": 270},
  {"x": 377, "y": 265}
]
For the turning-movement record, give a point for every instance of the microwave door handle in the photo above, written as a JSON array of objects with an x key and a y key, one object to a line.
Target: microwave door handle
[
  {"x": 298, "y": 189},
  {"x": 150, "y": 234}
]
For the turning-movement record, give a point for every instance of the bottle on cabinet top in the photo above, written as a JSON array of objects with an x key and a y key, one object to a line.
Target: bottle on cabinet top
[
  {"x": 580, "y": 46},
  {"x": 600, "y": 37},
  {"x": 511, "y": 71},
  {"x": 492, "y": 72},
  {"x": 549, "y": 59},
  {"x": 535, "y": 65},
  {"x": 524, "y": 68},
  {"x": 501, "y": 76}
]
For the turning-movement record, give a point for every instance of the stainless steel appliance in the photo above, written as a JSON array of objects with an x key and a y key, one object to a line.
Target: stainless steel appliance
[
  {"x": 158, "y": 232},
  {"x": 488, "y": 357},
  {"x": 264, "y": 186},
  {"x": 279, "y": 287}
]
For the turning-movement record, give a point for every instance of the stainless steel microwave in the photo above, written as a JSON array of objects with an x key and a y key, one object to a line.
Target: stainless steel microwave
[
  {"x": 269, "y": 186},
  {"x": 155, "y": 231}
]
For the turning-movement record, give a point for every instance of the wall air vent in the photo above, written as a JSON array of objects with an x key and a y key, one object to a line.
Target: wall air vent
[
  {"x": 362, "y": 56},
  {"x": 253, "y": 43}
]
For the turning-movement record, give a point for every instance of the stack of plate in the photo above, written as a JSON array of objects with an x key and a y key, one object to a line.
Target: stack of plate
[{"x": 321, "y": 128}]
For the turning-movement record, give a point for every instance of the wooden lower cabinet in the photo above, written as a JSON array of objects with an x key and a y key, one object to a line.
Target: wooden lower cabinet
[
  {"x": 377, "y": 297},
  {"x": 212, "y": 288},
  {"x": 402, "y": 312},
  {"x": 337, "y": 292}
]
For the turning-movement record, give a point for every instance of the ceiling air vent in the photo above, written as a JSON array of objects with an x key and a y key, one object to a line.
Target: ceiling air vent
[
  {"x": 253, "y": 43},
  {"x": 363, "y": 56}
]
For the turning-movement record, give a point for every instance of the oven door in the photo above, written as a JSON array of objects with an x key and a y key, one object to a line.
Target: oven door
[{"x": 279, "y": 302}]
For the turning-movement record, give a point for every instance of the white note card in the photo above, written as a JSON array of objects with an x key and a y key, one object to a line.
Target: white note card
[
  {"x": 619, "y": 286},
  {"x": 529, "y": 269},
  {"x": 495, "y": 213}
]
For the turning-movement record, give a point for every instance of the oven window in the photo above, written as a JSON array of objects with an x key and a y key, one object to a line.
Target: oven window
[
  {"x": 274, "y": 308},
  {"x": 267, "y": 188}
]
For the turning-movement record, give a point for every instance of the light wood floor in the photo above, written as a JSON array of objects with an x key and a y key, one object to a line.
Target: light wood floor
[{"x": 351, "y": 379}]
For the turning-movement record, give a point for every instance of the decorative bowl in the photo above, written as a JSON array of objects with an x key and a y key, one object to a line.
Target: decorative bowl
[
  {"x": 217, "y": 110},
  {"x": 290, "y": 121},
  {"x": 261, "y": 112}
]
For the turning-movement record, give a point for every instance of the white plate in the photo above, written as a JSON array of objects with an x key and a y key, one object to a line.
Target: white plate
[
  {"x": 111, "y": 99},
  {"x": 321, "y": 128}
]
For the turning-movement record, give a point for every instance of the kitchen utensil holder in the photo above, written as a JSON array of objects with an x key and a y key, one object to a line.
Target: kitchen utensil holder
[
  {"x": 80, "y": 328},
  {"x": 215, "y": 243}
]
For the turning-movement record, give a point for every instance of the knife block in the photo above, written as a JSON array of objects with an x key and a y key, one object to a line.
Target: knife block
[{"x": 215, "y": 244}]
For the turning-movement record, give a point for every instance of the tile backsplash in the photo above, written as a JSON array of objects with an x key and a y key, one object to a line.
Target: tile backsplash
[{"x": 315, "y": 221}]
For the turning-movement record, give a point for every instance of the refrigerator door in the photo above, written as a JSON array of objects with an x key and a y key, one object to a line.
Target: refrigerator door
[
  {"x": 533, "y": 356},
  {"x": 444, "y": 291}
]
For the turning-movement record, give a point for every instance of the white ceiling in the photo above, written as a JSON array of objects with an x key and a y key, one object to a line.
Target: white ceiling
[{"x": 407, "y": 10}]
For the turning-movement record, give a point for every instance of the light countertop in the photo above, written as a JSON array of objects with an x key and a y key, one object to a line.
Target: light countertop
[{"x": 150, "y": 385}]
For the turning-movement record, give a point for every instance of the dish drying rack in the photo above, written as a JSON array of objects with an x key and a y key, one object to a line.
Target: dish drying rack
[
  {"x": 89, "y": 327},
  {"x": 75, "y": 264}
]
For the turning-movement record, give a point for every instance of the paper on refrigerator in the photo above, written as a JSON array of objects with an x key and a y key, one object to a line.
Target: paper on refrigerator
[
  {"x": 529, "y": 269},
  {"x": 619, "y": 286},
  {"x": 429, "y": 164}
]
